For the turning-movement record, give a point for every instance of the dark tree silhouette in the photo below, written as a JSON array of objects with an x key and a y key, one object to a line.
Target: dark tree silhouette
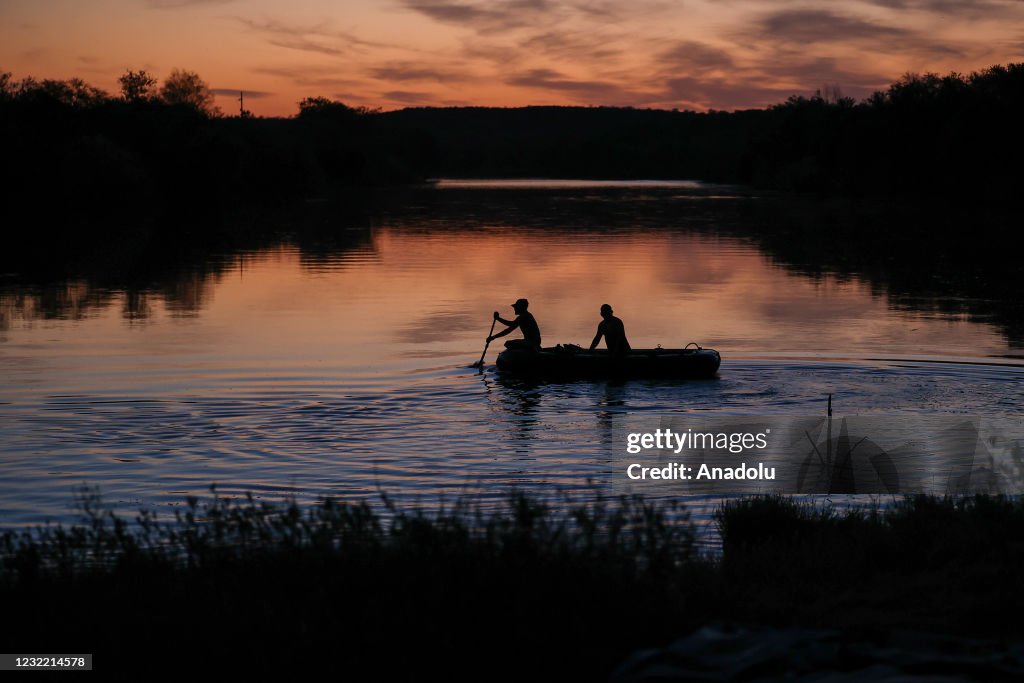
[
  {"x": 946, "y": 137},
  {"x": 7, "y": 87},
  {"x": 73, "y": 92},
  {"x": 187, "y": 88},
  {"x": 137, "y": 86},
  {"x": 326, "y": 108}
]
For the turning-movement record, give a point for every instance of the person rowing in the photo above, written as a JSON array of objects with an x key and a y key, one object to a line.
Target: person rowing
[
  {"x": 613, "y": 331},
  {"x": 524, "y": 322}
]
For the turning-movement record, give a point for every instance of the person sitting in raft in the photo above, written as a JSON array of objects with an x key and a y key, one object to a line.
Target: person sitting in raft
[
  {"x": 525, "y": 322},
  {"x": 613, "y": 331}
]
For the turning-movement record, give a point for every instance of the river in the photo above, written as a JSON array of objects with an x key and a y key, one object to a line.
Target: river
[{"x": 339, "y": 365}]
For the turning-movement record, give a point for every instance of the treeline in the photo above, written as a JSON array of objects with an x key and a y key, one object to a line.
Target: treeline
[
  {"x": 939, "y": 135},
  {"x": 585, "y": 142},
  {"x": 72, "y": 147},
  {"x": 77, "y": 154},
  {"x": 925, "y": 134}
]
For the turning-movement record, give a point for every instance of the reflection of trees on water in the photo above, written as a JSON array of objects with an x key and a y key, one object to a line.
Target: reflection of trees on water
[
  {"x": 143, "y": 273},
  {"x": 922, "y": 258},
  {"x": 951, "y": 261},
  {"x": 183, "y": 295},
  {"x": 73, "y": 300}
]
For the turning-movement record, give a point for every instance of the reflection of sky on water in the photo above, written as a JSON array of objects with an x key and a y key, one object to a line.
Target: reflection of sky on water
[
  {"x": 336, "y": 371},
  {"x": 426, "y": 293}
]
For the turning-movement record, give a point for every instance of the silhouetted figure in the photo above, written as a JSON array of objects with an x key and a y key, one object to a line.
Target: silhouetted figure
[
  {"x": 613, "y": 331},
  {"x": 525, "y": 322}
]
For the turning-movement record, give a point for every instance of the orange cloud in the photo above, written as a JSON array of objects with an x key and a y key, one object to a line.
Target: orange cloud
[{"x": 721, "y": 54}]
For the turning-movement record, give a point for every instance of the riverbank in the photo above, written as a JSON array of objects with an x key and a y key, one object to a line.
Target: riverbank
[
  {"x": 116, "y": 159},
  {"x": 542, "y": 588}
]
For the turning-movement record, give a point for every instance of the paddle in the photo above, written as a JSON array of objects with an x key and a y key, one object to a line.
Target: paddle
[{"x": 480, "y": 363}]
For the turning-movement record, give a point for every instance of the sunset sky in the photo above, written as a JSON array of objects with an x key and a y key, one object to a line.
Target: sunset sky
[{"x": 689, "y": 54}]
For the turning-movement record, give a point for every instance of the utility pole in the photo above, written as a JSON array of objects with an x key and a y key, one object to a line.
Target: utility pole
[{"x": 241, "y": 103}]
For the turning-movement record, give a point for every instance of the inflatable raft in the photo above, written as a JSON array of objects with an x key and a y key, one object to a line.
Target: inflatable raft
[{"x": 571, "y": 362}]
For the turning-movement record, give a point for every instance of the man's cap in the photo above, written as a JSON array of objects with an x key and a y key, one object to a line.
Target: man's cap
[{"x": 521, "y": 302}]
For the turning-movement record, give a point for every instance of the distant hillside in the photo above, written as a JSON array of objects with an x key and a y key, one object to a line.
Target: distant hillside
[
  {"x": 80, "y": 154},
  {"x": 934, "y": 135},
  {"x": 584, "y": 142}
]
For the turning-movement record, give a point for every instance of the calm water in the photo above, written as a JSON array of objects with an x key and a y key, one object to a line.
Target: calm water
[{"x": 338, "y": 364}]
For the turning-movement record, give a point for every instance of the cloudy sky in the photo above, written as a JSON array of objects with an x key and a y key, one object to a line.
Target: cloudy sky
[{"x": 687, "y": 54}]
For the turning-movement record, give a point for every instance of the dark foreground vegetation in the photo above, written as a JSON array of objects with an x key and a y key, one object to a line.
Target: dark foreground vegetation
[{"x": 546, "y": 591}]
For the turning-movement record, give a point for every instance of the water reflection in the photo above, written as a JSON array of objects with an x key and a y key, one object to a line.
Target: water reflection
[
  {"x": 171, "y": 268},
  {"x": 183, "y": 293},
  {"x": 923, "y": 259},
  {"x": 609, "y": 241},
  {"x": 328, "y": 354},
  {"x": 613, "y": 401},
  {"x": 517, "y": 403}
]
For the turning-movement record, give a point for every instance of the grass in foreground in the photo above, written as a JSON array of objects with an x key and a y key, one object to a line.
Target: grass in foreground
[{"x": 533, "y": 588}]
